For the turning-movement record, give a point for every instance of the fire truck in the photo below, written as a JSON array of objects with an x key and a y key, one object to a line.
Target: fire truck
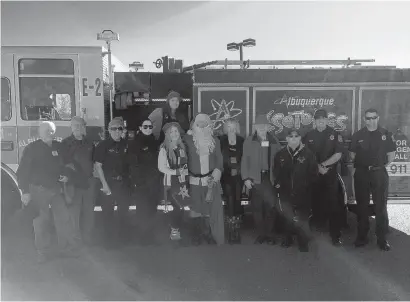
[
  {"x": 47, "y": 83},
  {"x": 56, "y": 83},
  {"x": 289, "y": 96}
]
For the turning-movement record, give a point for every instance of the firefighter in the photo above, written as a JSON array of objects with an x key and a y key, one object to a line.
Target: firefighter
[
  {"x": 41, "y": 175},
  {"x": 327, "y": 146},
  {"x": 79, "y": 157},
  {"x": 372, "y": 149},
  {"x": 111, "y": 159},
  {"x": 259, "y": 150},
  {"x": 295, "y": 169}
]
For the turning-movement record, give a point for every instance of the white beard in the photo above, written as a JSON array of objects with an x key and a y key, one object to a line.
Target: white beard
[{"x": 203, "y": 141}]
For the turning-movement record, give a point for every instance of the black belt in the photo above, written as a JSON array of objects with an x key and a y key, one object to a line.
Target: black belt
[
  {"x": 371, "y": 168},
  {"x": 200, "y": 175},
  {"x": 264, "y": 171},
  {"x": 119, "y": 178}
]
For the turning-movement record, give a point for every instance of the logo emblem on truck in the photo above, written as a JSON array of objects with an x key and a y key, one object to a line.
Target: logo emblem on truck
[{"x": 223, "y": 111}]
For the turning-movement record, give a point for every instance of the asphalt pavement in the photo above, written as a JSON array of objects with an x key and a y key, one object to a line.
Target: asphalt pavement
[{"x": 208, "y": 272}]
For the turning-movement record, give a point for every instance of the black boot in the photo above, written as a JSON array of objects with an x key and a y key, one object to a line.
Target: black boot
[
  {"x": 287, "y": 241},
  {"x": 233, "y": 225},
  {"x": 237, "y": 229},
  {"x": 196, "y": 231}
]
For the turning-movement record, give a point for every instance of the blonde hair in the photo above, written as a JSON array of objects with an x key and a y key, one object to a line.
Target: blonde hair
[
  {"x": 169, "y": 148},
  {"x": 231, "y": 121}
]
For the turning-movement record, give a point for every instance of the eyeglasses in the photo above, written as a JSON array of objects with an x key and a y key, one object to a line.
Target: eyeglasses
[
  {"x": 368, "y": 118},
  {"x": 147, "y": 127},
  {"x": 116, "y": 128}
]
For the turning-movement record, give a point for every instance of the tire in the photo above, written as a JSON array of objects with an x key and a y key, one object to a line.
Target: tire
[{"x": 10, "y": 199}]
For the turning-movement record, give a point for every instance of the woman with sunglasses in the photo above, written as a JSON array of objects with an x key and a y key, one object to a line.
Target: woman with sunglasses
[
  {"x": 171, "y": 112},
  {"x": 143, "y": 154}
]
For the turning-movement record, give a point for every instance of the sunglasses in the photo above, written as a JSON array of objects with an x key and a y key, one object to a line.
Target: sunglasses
[
  {"x": 116, "y": 128},
  {"x": 147, "y": 127},
  {"x": 368, "y": 118}
]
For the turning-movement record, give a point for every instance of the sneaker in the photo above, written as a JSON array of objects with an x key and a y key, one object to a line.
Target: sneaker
[
  {"x": 337, "y": 241},
  {"x": 270, "y": 240},
  {"x": 70, "y": 253},
  {"x": 360, "y": 242},
  {"x": 42, "y": 258},
  {"x": 175, "y": 234},
  {"x": 384, "y": 245},
  {"x": 304, "y": 248},
  {"x": 260, "y": 240}
]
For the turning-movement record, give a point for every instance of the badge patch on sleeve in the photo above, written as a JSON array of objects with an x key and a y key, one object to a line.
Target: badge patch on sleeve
[
  {"x": 332, "y": 137},
  {"x": 383, "y": 137},
  {"x": 54, "y": 153}
]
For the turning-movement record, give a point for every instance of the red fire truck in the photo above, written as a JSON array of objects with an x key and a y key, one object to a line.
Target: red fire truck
[
  {"x": 56, "y": 83},
  {"x": 46, "y": 83},
  {"x": 289, "y": 97}
]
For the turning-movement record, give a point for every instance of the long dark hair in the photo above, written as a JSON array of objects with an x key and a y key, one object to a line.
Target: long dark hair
[{"x": 167, "y": 108}]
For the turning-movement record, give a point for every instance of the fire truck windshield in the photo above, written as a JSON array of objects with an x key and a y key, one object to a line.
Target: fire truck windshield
[{"x": 47, "y": 89}]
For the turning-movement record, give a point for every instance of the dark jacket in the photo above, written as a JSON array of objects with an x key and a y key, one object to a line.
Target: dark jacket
[
  {"x": 41, "y": 165},
  {"x": 79, "y": 153},
  {"x": 143, "y": 159},
  {"x": 251, "y": 162},
  {"x": 225, "y": 154},
  {"x": 295, "y": 172}
]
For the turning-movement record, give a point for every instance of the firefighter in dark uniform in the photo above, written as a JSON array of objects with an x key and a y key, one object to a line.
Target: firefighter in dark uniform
[
  {"x": 41, "y": 177},
  {"x": 372, "y": 149},
  {"x": 110, "y": 158},
  {"x": 295, "y": 169},
  {"x": 327, "y": 145}
]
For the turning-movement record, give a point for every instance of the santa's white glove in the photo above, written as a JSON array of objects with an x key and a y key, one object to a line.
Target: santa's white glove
[{"x": 216, "y": 175}]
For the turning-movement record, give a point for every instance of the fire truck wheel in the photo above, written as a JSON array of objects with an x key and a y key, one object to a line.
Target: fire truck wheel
[{"x": 10, "y": 199}]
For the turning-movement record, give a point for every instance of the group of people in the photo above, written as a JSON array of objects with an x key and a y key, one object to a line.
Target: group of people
[{"x": 187, "y": 170}]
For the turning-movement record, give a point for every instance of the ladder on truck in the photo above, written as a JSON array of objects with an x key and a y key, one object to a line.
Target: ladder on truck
[{"x": 349, "y": 63}]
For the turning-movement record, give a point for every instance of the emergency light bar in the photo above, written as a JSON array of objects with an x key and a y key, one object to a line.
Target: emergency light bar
[{"x": 108, "y": 36}]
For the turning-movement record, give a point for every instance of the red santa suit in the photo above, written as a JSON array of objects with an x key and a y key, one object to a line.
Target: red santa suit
[{"x": 205, "y": 163}]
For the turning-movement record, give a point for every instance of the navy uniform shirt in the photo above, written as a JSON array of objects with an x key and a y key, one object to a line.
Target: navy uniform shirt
[
  {"x": 80, "y": 153},
  {"x": 324, "y": 144},
  {"x": 295, "y": 170},
  {"x": 371, "y": 147},
  {"x": 41, "y": 165},
  {"x": 113, "y": 157}
]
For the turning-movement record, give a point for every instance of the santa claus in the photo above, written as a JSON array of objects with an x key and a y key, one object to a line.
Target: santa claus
[{"x": 205, "y": 164}]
